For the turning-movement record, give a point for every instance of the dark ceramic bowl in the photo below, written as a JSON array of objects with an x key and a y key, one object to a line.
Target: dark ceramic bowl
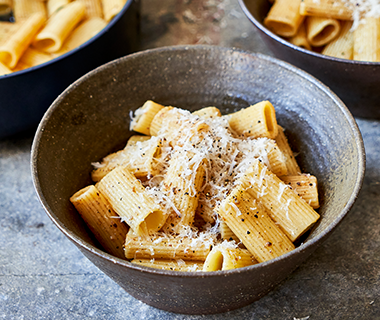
[
  {"x": 355, "y": 82},
  {"x": 91, "y": 119},
  {"x": 26, "y": 95}
]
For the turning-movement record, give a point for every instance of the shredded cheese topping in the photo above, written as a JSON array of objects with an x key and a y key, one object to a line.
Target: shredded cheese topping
[{"x": 224, "y": 157}]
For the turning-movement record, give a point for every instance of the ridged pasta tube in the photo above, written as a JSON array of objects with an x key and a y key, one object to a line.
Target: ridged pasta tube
[
  {"x": 225, "y": 257},
  {"x": 170, "y": 264},
  {"x": 12, "y": 50},
  {"x": 130, "y": 201},
  {"x": 101, "y": 219},
  {"x": 300, "y": 38},
  {"x": 144, "y": 116},
  {"x": 367, "y": 40},
  {"x": 183, "y": 189},
  {"x": 52, "y": 36},
  {"x": 284, "y": 206},
  {"x": 208, "y": 113},
  {"x": 321, "y": 31},
  {"x": 166, "y": 247},
  {"x": 284, "y": 17},
  {"x": 326, "y": 8},
  {"x": 305, "y": 185},
  {"x": 290, "y": 160},
  {"x": 343, "y": 45},
  {"x": 253, "y": 226},
  {"x": 258, "y": 120},
  {"x": 139, "y": 158},
  {"x": 23, "y": 9}
]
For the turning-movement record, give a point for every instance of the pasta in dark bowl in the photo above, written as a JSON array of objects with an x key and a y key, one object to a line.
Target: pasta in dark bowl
[
  {"x": 89, "y": 125},
  {"x": 354, "y": 81},
  {"x": 41, "y": 56}
]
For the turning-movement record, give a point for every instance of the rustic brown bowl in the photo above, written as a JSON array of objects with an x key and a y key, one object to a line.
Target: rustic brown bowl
[
  {"x": 355, "y": 82},
  {"x": 91, "y": 119}
]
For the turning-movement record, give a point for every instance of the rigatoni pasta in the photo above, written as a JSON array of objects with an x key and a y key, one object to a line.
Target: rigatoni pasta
[
  {"x": 224, "y": 194},
  {"x": 12, "y": 50},
  {"x": 344, "y": 29},
  {"x": 63, "y": 25},
  {"x": 284, "y": 18},
  {"x": 101, "y": 219}
]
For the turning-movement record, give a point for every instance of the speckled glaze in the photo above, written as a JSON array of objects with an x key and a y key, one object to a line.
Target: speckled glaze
[
  {"x": 91, "y": 119},
  {"x": 26, "y": 95},
  {"x": 355, "y": 82}
]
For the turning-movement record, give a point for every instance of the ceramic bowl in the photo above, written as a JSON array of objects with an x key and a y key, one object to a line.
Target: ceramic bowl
[
  {"x": 91, "y": 119},
  {"x": 26, "y": 95},
  {"x": 355, "y": 82}
]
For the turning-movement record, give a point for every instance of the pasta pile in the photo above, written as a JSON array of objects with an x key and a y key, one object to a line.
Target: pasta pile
[
  {"x": 344, "y": 29},
  {"x": 46, "y": 29},
  {"x": 200, "y": 191}
]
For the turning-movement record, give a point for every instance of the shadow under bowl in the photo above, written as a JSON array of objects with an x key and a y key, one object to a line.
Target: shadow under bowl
[
  {"x": 355, "y": 82},
  {"x": 90, "y": 119},
  {"x": 26, "y": 95}
]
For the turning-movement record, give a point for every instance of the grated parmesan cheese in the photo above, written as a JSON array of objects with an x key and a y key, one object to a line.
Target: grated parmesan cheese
[
  {"x": 362, "y": 9},
  {"x": 224, "y": 157}
]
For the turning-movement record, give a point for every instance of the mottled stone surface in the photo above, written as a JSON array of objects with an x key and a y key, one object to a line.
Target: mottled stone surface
[{"x": 44, "y": 276}]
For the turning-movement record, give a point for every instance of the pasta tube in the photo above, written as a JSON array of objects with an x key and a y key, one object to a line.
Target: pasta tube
[
  {"x": 144, "y": 116},
  {"x": 300, "y": 38},
  {"x": 225, "y": 257},
  {"x": 132, "y": 141},
  {"x": 208, "y": 113},
  {"x": 111, "y": 8},
  {"x": 85, "y": 31},
  {"x": 4, "y": 69},
  {"x": 290, "y": 160},
  {"x": 342, "y": 46},
  {"x": 305, "y": 185},
  {"x": 226, "y": 233},
  {"x": 101, "y": 219},
  {"x": 170, "y": 264},
  {"x": 33, "y": 57},
  {"x": 183, "y": 190},
  {"x": 7, "y": 30},
  {"x": 54, "y": 5},
  {"x": 12, "y": 50},
  {"x": 326, "y": 8},
  {"x": 178, "y": 128},
  {"x": 130, "y": 201},
  {"x": 57, "y": 29},
  {"x": 284, "y": 17},
  {"x": 23, "y": 9},
  {"x": 367, "y": 40},
  {"x": 253, "y": 226},
  {"x": 321, "y": 31},
  {"x": 166, "y": 247},
  {"x": 258, "y": 120},
  {"x": 93, "y": 8},
  {"x": 284, "y": 206},
  {"x": 140, "y": 159}
]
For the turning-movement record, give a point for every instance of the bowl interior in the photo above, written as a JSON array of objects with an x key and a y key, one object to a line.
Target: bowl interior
[{"x": 91, "y": 119}]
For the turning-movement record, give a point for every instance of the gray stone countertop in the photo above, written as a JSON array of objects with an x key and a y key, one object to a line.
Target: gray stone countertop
[{"x": 44, "y": 276}]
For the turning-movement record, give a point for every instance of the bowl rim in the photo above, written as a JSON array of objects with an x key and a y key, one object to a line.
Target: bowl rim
[
  {"x": 269, "y": 33},
  {"x": 200, "y": 274},
  {"x": 73, "y": 51}
]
